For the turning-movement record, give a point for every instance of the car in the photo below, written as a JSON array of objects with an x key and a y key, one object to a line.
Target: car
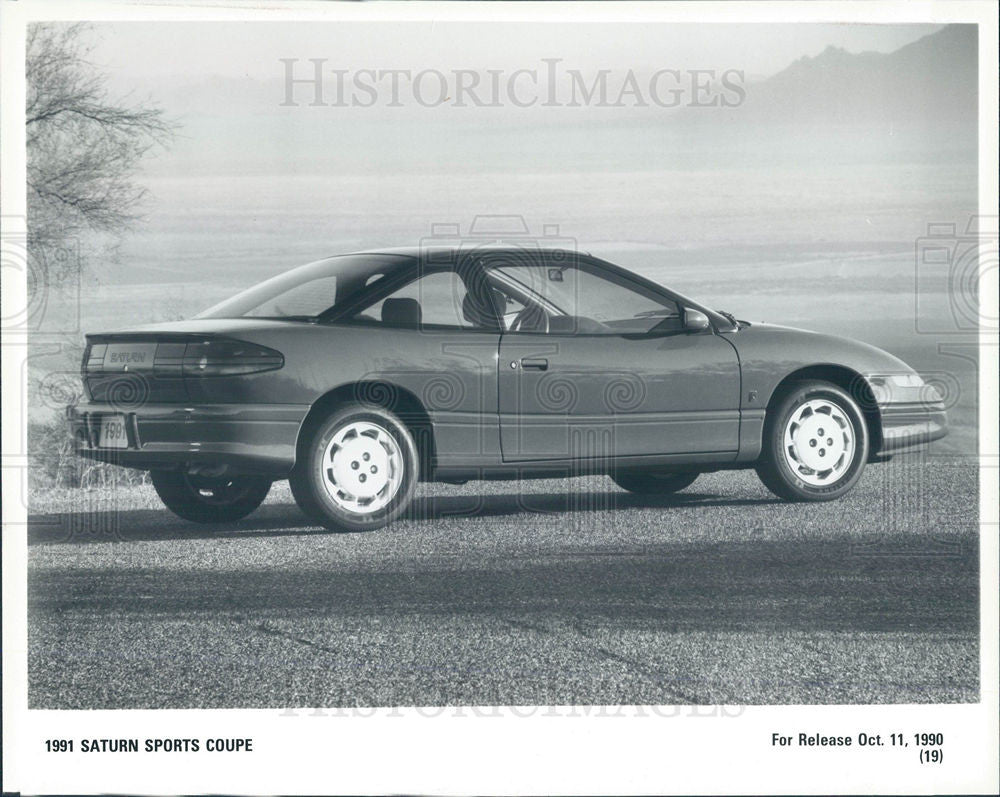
[{"x": 358, "y": 376}]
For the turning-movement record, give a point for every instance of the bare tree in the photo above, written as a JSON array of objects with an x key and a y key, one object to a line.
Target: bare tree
[{"x": 82, "y": 146}]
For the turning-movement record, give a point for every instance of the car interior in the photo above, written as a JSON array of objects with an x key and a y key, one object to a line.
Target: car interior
[{"x": 505, "y": 304}]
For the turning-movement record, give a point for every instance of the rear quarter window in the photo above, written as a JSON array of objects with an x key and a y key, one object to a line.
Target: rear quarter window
[{"x": 310, "y": 298}]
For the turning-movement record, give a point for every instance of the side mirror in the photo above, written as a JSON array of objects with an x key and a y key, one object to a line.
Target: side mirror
[{"x": 695, "y": 320}]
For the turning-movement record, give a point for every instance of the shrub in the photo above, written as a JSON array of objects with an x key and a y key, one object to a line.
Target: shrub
[{"x": 52, "y": 463}]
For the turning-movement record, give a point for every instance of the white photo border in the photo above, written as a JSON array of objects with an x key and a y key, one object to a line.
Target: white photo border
[{"x": 526, "y": 750}]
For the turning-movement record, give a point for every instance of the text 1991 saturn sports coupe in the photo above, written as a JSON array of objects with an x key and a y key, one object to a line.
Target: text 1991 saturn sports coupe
[{"x": 357, "y": 376}]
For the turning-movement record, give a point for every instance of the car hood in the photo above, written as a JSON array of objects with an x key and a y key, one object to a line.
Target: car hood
[{"x": 789, "y": 348}]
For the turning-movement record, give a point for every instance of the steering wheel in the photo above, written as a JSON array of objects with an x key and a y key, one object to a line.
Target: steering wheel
[{"x": 531, "y": 319}]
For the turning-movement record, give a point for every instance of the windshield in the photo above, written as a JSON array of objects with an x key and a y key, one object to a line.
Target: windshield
[
  {"x": 311, "y": 290},
  {"x": 580, "y": 299}
]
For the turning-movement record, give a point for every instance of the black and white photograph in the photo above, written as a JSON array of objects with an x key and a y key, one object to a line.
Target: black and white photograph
[{"x": 431, "y": 360}]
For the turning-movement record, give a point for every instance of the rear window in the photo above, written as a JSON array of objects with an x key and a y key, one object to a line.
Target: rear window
[{"x": 311, "y": 290}]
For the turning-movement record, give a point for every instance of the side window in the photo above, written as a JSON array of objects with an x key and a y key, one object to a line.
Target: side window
[
  {"x": 509, "y": 305},
  {"x": 307, "y": 299},
  {"x": 573, "y": 299},
  {"x": 437, "y": 299}
]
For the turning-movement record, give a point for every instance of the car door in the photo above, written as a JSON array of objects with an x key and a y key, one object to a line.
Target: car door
[
  {"x": 609, "y": 371},
  {"x": 435, "y": 337}
]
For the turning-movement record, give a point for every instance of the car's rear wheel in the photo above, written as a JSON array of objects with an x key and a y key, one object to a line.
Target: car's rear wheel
[
  {"x": 357, "y": 470},
  {"x": 654, "y": 483},
  {"x": 202, "y": 499},
  {"x": 815, "y": 443}
]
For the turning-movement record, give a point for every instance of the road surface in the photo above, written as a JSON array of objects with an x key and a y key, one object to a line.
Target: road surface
[{"x": 534, "y": 593}]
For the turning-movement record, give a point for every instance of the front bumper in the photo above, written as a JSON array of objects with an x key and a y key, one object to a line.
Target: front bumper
[
  {"x": 910, "y": 426},
  {"x": 258, "y": 438}
]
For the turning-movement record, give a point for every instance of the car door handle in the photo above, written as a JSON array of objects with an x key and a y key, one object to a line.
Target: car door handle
[{"x": 536, "y": 363}]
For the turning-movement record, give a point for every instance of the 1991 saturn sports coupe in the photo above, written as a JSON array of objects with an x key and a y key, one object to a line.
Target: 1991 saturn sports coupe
[{"x": 357, "y": 376}]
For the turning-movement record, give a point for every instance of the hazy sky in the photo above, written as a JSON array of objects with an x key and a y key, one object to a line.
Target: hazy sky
[
  {"x": 224, "y": 82},
  {"x": 138, "y": 52}
]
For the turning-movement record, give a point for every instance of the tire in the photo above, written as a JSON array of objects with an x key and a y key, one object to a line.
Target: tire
[
  {"x": 654, "y": 483},
  {"x": 798, "y": 444},
  {"x": 356, "y": 470},
  {"x": 202, "y": 500}
]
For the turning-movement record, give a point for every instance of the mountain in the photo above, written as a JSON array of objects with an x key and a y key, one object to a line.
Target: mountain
[{"x": 931, "y": 81}]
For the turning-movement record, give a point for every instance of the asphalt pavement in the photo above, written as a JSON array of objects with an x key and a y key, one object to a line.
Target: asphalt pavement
[{"x": 521, "y": 593}]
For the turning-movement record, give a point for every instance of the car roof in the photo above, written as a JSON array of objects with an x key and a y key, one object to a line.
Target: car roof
[{"x": 469, "y": 245}]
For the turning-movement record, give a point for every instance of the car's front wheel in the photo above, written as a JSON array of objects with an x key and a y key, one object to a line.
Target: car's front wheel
[
  {"x": 654, "y": 483},
  {"x": 815, "y": 443},
  {"x": 357, "y": 470},
  {"x": 202, "y": 499}
]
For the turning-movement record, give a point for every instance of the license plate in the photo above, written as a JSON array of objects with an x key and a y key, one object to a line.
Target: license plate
[{"x": 113, "y": 434}]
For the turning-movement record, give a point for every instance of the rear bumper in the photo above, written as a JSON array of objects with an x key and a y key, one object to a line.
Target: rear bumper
[
  {"x": 257, "y": 438},
  {"x": 910, "y": 426}
]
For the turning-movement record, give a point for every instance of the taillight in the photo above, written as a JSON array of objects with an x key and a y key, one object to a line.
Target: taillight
[
  {"x": 228, "y": 357},
  {"x": 93, "y": 357}
]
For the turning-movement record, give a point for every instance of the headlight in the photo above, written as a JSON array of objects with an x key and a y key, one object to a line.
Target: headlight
[
  {"x": 906, "y": 380},
  {"x": 902, "y": 388}
]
